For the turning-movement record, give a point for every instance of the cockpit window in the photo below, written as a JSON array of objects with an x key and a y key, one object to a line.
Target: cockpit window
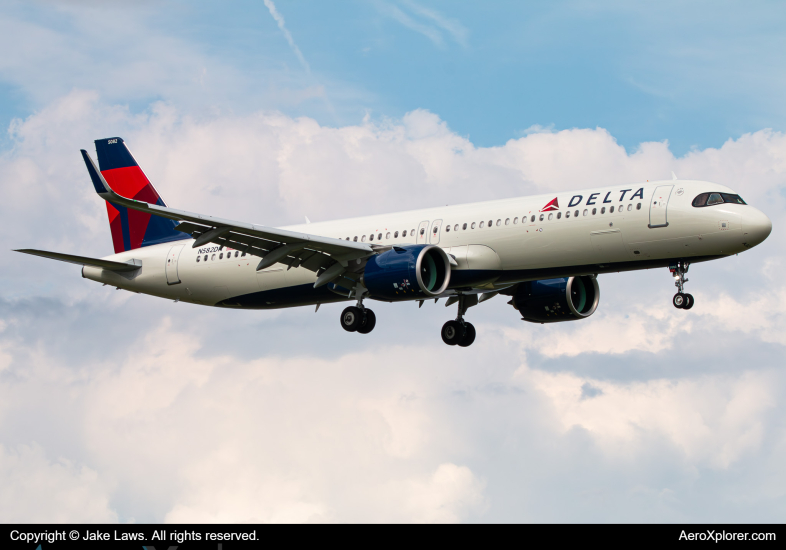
[
  {"x": 710, "y": 199},
  {"x": 736, "y": 199},
  {"x": 715, "y": 198}
]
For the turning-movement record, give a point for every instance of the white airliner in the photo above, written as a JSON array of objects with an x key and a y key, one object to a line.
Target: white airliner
[{"x": 544, "y": 252}]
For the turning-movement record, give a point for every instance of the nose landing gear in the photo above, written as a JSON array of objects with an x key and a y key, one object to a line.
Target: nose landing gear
[
  {"x": 681, "y": 300},
  {"x": 459, "y": 332}
]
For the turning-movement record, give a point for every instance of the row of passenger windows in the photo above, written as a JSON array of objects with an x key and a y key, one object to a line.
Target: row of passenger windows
[
  {"x": 220, "y": 256},
  {"x": 490, "y": 223},
  {"x": 387, "y": 235}
]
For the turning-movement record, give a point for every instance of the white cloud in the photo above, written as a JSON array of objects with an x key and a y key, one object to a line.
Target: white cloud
[
  {"x": 425, "y": 21},
  {"x": 713, "y": 421},
  {"x": 38, "y": 490},
  {"x": 206, "y": 415},
  {"x": 291, "y": 41}
]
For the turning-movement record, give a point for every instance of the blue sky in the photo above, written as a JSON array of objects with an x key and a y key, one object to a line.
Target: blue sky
[
  {"x": 694, "y": 74},
  {"x": 121, "y": 407}
]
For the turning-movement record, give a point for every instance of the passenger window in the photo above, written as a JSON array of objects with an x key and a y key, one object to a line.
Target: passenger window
[
  {"x": 404, "y": 233},
  {"x": 567, "y": 214},
  {"x": 473, "y": 225},
  {"x": 212, "y": 258},
  {"x": 540, "y": 218},
  {"x": 412, "y": 232},
  {"x": 481, "y": 224},
  {"x": 199, "y": 258},
  {"x": 370, "y": 237},
  {"x": 205, "y": 257},
  {"x": 715, "y": 198},
  {"x": 499, "y": 222},
  {"x": 603, "y": 210},
  {"x": 630, "y": 207},
  {"x": 447, "y": 229},
  {"x": 243, "y": 254},
  {"x": 435, "y": 230},
  {"x": 551, "y": 216},
  {"x": 491, "y": 222},
  {"x": 363, "y": 239},
  {"x": 515, "y": 220},
  {"x": 532, "y": 219},
  {"x": 507, "y": 221},
  {"x": 221, "y": 256},
  {"x": 594, "y": 211},
  {"x": 422, "y": 231},
  {"x": 395, "y": 235},
  {"x": 576, "y": 214},
  {"x": 379, "y": 237},
  {"x": 355, "y": 239},
  {"x": 463, "y": 227},
  {"x": 611, "y": 210},
  {"x": 586, "y": 211},
  {"x": 559, "y": 215},
  {"x": 638, "y": 206}
]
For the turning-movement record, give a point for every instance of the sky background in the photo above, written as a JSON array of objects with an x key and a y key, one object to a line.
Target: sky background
[{"x": 121, "y": 407}]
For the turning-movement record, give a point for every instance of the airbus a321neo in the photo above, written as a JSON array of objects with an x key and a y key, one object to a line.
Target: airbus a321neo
[{"x": 543, "y": 252}]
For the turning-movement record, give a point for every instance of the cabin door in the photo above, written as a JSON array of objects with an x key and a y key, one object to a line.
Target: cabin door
[{"x": 658, "y": 206}]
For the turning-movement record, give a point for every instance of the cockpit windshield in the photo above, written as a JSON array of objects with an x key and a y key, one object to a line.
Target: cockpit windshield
[{"x": 710, "y": 199}]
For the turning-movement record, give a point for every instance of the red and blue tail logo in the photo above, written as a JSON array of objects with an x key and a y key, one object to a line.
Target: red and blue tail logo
[{"x": 130, "y": 228}]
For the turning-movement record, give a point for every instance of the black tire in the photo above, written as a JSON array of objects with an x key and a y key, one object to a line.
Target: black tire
[
  {"x": 689, "y": 301},
  {"x": 351, "y": 318},
  {"x": 452, "y": 333},
  {"x": 679, "y": 300},
  {"x": 469, "y": 335},
  {"x": 369, "y": 322}
]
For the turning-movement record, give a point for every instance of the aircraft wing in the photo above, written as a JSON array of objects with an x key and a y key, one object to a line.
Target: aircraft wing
[
  {"x": 313, "y": 252},
  {"x": 82, "y": 260}
]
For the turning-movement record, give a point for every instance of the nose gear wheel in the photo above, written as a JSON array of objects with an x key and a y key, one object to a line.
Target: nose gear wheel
[{"x": 681, "y": 300}]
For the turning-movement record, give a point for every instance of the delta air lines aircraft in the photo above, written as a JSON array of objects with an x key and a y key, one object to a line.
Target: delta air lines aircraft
[{"x": 543, "y": 252}]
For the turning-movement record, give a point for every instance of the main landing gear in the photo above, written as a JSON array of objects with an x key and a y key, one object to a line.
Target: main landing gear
[
  {"x": 460, "y": 332},
  {"x": 681, "y": 300},
  {"x": 358, "y": 319}
]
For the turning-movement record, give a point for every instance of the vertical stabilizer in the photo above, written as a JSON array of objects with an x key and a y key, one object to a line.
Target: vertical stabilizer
[{"x": 130, "y": 228}]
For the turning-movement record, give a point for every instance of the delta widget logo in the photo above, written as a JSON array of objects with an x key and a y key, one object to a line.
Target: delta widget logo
[{"x": 552, "y": 206}]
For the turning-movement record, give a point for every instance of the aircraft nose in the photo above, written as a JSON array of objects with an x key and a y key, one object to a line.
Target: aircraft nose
[{"x": 756, "y": 226}]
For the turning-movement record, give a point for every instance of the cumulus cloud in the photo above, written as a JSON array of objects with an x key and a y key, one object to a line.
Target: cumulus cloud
[
  {"x": 179, "y": 413},
  {"x": 36, "y": 489}
]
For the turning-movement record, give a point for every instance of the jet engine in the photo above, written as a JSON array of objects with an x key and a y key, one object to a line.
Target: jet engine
[
  {"x": 407, "y": 273},
  {"x": 557, "y": 300}
]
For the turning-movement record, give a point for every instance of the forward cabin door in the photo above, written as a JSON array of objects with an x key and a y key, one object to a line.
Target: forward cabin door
[
  {"x": 658, "y": 206},
  {"x": 423, "y": 232},
  {"x": 436, "y": 227},
  {"x": 172, "y": 256}
]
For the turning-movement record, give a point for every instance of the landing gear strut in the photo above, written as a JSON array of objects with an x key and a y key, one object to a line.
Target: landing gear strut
[
  {"x": 460, "y": 332},
  {"x": 681, "y": 300},
  {"x": 358, "y": 318}
]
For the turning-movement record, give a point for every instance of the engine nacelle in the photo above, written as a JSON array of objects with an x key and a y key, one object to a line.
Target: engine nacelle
[
  {"x": 407, "y": 273},
  {"x": 556, "y": 300}
]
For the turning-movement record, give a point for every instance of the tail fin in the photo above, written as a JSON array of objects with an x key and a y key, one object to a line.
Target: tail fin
[{"x": 130, "y": 228}]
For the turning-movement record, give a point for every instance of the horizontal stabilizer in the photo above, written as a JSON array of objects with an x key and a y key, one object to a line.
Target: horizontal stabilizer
[{"x": 81, "y": 260}]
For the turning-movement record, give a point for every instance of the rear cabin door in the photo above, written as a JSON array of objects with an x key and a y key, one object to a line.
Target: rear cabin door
[
  {"x": 423, "y": 232},
  {"x": 658, "y": 206},
  {"x": 172, "y": 256},
  {"x": 436, "y": 228}
]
